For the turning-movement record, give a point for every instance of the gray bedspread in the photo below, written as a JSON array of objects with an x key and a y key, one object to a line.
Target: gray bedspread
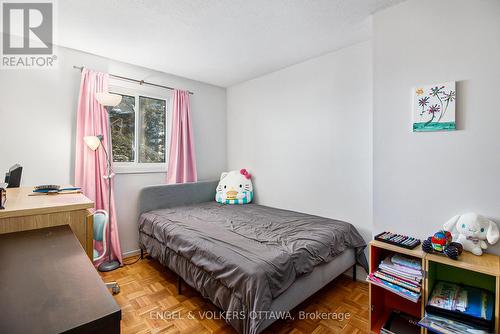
[{"x": 242, "y": 257}]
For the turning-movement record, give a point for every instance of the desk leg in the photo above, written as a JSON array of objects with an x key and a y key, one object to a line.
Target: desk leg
[
  {"x": 89, "y": 236},
  {"x": 497, "y": 307}
]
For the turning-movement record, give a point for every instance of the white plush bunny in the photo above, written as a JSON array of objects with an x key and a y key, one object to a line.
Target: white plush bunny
[{"x": 473, "y": 230}]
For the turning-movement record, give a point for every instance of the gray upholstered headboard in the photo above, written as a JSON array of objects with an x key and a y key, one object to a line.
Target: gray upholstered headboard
[{"x": 170, "y": 195}]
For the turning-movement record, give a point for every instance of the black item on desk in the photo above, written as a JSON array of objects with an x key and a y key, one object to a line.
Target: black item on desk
[
  {"x": 3, "y": 195},
  {"x": 400, "y": 323},
  {"x": 13, "y": 176},
  {"x": 47, "y": 187}
]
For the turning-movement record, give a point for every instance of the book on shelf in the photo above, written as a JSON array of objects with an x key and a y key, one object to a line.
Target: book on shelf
[
  {"x": 401, "y": 275},
  {"x": 442, "y": 325},
  {"x": 465, "y": 304},
  {"x": 412, "y": 263},
  {"x": 405, "y": 293},
  {"x": 412, "y": 274},
  {"x": 398, "y": 281}
]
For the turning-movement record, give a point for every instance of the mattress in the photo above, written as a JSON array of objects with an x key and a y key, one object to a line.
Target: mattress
[
  {"x": 243, "y": 257},
  {"x": 307, "y": 285}
]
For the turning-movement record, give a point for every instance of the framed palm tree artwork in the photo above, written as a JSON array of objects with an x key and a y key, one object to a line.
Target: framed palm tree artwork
[{"x": 434, "y": 107}]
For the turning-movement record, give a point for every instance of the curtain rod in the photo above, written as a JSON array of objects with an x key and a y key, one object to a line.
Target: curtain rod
[{"x": 140, "y": 82}]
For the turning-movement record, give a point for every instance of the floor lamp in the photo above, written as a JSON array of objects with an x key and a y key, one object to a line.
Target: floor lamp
[{"x": 108, "y": 101}]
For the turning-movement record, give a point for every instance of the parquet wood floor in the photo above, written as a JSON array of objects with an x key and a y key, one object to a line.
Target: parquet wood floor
[{"x": 148, "y": 293}]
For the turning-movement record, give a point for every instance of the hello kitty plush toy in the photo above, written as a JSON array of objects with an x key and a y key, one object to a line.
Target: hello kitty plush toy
[
  {"x": 473, "y": 230},
  {"x": 235, "y": 187}
]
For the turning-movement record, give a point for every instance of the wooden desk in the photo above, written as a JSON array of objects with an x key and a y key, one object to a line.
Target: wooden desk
[
  {"x": 23, "y": 212},
  {"x": 48, "y": 285}
]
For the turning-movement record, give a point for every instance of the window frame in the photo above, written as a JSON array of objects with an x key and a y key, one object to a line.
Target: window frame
[{"x": 132, "y": 89}]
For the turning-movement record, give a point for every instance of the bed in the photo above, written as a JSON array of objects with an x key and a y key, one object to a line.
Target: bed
[{"x": 254, "y": 262}]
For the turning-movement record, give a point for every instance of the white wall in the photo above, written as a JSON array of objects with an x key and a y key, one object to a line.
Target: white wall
[
  {"x": 38, "y": 120},
  {"x": 304, "y": 133},
  {"x": 422, "y": 179}
]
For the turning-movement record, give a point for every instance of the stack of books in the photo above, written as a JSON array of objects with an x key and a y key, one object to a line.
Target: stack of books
[{"x": 401, "y": 275}]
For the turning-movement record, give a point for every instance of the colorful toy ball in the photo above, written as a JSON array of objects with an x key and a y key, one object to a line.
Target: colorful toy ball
[{"x": 440, "y": 240}]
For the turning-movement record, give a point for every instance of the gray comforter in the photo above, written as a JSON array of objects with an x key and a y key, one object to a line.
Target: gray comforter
[{"x": 242, "y": 257}]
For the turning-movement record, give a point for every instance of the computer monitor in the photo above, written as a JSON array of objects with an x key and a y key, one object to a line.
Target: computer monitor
[{"x": 13, "y": 176}]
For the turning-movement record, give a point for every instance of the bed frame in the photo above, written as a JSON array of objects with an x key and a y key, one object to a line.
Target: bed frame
[{"x": 168, "y": 196}]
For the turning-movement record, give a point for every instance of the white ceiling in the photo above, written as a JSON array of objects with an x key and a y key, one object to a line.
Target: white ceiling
[{"x": 222, "y": 42}]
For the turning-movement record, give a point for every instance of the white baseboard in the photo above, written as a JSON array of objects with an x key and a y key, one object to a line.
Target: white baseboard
[
  {"x": 360, "y": 273},
  {"x": 131, "y": 253}
]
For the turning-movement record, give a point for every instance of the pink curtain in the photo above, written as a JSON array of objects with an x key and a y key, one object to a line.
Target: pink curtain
[
  {"x": 90, "y": 166},
  {"x": 181, "y": 157}
]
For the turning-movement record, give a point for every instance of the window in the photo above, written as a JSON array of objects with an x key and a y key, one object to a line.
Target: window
[
  {"x": 122, "y": 120},
  {"x": 153, "y": 130},
  {"x": 139, "y": 132}
]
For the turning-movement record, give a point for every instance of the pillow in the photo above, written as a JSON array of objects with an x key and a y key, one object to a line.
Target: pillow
[{"x": 235, "y": 187}]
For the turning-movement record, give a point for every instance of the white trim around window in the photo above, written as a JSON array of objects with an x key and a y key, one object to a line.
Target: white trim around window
[{"x": 135, "y": 90}]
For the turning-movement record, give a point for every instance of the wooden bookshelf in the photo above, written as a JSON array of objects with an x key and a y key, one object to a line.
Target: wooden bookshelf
[
  {"x": 383, "y": 301},
  {"x": 487, "y": 263},
  {"x": 481, "y": 271}
]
